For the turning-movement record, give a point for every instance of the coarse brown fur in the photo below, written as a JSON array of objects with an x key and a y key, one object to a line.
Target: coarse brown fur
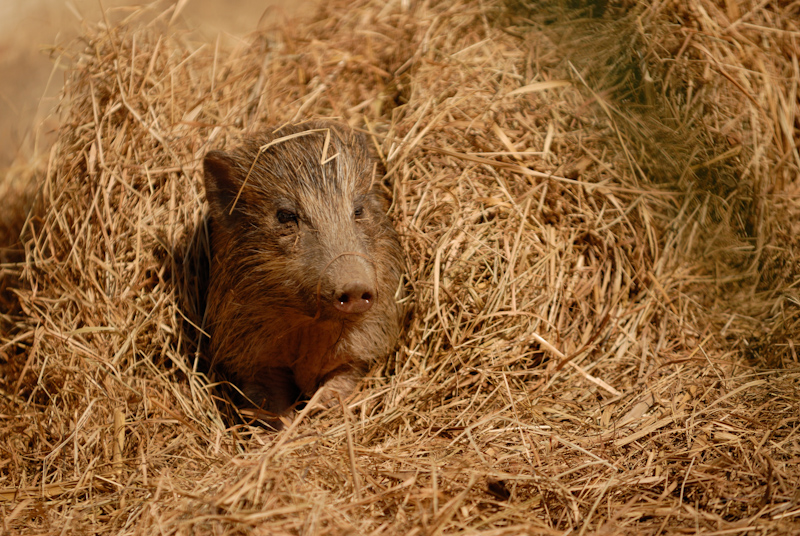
[{"x": 295, "y": 217}]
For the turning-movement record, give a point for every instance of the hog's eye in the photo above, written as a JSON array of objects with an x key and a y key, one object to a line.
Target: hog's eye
[
  {"x": 358, "y": 212},
  {"x": 286, "y": 216}
]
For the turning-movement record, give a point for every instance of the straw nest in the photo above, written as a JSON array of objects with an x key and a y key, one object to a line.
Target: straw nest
[{"x": 600, "y": 211}]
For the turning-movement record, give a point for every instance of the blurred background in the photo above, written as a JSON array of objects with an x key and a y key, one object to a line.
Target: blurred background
[{"x": 31, "y": 32}]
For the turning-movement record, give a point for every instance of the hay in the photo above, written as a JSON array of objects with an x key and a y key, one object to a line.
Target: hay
[{"x": 603, "y": 269}]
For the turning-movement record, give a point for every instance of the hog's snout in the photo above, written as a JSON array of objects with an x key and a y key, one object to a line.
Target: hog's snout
[
  {"x": 350, "y": 283},
  {"x": 354, "y": 297}
]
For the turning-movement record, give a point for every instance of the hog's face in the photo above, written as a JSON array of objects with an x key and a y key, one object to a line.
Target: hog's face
[{"x": 299, "y": 209}]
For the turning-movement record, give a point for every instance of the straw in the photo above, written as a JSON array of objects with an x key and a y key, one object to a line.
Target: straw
[{"x": 600, "y": 212}]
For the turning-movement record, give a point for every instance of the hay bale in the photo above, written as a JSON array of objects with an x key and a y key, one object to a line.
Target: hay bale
[{"x": 574, "y": 361}]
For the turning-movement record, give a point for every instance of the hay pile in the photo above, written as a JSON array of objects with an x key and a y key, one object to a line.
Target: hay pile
[{"x": 600, "y": 210}]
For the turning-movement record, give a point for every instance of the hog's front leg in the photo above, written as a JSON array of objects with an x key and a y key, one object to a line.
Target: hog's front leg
[{"x": 340, "y": 383}]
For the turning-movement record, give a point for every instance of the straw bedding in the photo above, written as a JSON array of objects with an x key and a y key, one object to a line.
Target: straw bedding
[{"x": 599, "y": 207}]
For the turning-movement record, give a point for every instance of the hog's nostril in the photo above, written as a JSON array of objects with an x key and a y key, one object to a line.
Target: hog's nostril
[{"x": 354, "y": 297}]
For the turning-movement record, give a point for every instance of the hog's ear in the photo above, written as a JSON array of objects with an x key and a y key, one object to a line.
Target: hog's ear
[{"x": 223, "y": 182}]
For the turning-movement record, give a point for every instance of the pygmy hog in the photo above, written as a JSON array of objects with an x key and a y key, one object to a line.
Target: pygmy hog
[{"x": 305, "y": 264}]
